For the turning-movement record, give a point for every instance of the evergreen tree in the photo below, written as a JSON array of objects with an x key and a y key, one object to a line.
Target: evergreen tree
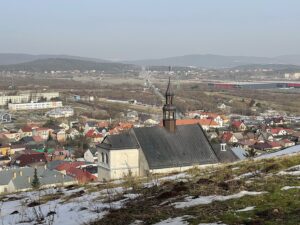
[
  {"x": 250, "y": 153},
  {"x": 35, "y": 182}
]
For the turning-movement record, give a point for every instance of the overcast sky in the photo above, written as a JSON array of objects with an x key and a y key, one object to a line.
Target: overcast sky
[{"x": 137, "y": 29}]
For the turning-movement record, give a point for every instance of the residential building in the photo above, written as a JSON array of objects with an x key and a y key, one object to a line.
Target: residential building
[
  {"x": 20, "y": 179},
  {"x": 34, "y": 105}
]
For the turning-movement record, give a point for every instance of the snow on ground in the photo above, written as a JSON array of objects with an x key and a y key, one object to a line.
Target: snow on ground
[
  {"x": 174, "y": 221},
  {"x": 249, "y": 208},
  {"x": 211, "y": 224},
  {"x": 290, "y": 187},
  {"x": 77, "y": 210},
  {"x": 247, "y": 175},
  {"x": 176, "y": 177},
  {"x": 203, "y": 200},
  {"x": 294, "y": 171}
]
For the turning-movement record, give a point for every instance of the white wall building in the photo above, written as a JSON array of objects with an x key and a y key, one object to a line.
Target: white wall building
[
  {"x": 34, "y": 105},
  {"x": 27, "y": 97}
]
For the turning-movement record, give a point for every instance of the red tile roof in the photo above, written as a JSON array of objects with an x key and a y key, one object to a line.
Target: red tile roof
[
  {"x": 26, "y": 129},
  {"x": 202, "y": 122},
  {"x": 67, "y": 165},
  {"x": 227, "y": 136},
  {"x": 30, "y": 157},
  {"x": 81, "y": 175},
  {"x": 237, "y": 123},
  {"x": 93, "y": 134}
]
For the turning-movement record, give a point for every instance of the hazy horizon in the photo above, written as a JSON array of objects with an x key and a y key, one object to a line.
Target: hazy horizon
[{"x": 150, "y": 29}]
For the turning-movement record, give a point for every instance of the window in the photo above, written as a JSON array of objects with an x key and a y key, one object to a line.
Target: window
[
  {"x": 102, "y": 156},
  {"x": 106, "y": 157},
  {"x": 223, "y": 147}
]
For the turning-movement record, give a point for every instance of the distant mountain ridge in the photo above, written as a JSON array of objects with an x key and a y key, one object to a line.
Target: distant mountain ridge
[
  {"x": 196, "y": 60},
  {"x": 15, "y": 58},
  {"x": 61, "y": 64},
  {"x": 216, "y": 61}
]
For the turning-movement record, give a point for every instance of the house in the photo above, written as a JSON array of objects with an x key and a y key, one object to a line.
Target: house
[
  {"x": 58, "y": 154},
  {"x": 158, "y": 149},
  {"x": 43, "y": 132},
  {"x": 74, "y": 170},
  {"x": 29, "y": 158},
  {"x": 246, "y": 144},
  {"x": 91, "y": 155},
  {"x": 238, "y": 125},
  {"x": 59, "y": 135},
  {"x": 206, "y": 124},
  {"x": 213, "y": 116},
  {"x": 275, "y": 121},
  {"x": 222, "y": 106},
  {"x": 20, "y": 179},
  {"x": 25, "y": 131},
  {"x": 132, "y": 116},
  {"x": 286, "y": 143},
  {"x": 90, "y": 125},
  {"x": 72, "y": 133},
  {"x": 278, "y": 131},
  {"x": 94, "y": 135},
  {"x": 5, "y": 117},
  {"x": 5, "y": 149},
  {"x": 11, "y": 136},
  {"x": 264, "y": 136},
  {"x": 228, "y": 137}
]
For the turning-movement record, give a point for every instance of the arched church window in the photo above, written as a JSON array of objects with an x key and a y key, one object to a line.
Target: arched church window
[
  {"x": 106, "y": 157},
  {"x": 102, "y": 157}
]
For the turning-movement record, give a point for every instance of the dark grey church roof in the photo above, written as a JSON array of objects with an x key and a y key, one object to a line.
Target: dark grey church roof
[
  {"x": 121, "y": 141},
  {"x": 186, "y": 147},
  {"x": 225, "y": 156}
]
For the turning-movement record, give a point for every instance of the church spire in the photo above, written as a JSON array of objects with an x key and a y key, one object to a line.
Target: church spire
[{"x": 169, "y": 110}]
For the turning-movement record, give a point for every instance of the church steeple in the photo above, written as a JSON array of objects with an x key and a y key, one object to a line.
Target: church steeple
[{"x": 169, "y": 110}]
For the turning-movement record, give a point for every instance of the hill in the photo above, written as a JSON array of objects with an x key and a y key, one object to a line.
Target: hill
[
  {"x": 250, "y": 192},
  {"x": 216, "y": 61},
  {"x": 15, "y": 58},
  {"x": 60, "y": 64}
]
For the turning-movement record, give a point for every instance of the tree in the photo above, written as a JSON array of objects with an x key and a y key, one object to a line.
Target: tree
[
  {"x": 250, "y": 153},
  {"x": 35, "y": 182}
]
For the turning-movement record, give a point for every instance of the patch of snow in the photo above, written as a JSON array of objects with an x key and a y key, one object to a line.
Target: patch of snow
[
  {"x": 174, "y": 221},
  {"x": 211, "y": 224},
  {"x": 203, "y": 200},
  {"x": 176, "y": 177},
  {"x": 249, "y": 208},
  {"x": 137, "y": 222},
  {"x": 290, "y": 187},
  {"x": 77, "y": 210},
  {"x": 294, "y": 171},
  {"x": 247, "y": 175},
  {"x": 235, "y": 168}
]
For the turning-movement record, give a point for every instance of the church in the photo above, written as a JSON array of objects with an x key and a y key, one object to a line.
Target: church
[{"x": 159, "y": 149}]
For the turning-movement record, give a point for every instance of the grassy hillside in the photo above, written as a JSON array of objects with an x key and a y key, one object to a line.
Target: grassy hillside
[
  {"x": 277, "y": 200},
  {"x": 60, "y": 64},
  {"x": 249, "y": 192}
]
